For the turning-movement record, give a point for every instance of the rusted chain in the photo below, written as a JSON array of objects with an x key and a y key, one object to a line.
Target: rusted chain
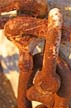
[
  {"x": 47, "y": 82},
  {"x": 25, "y": 66},
  {"x": 51, "y": 53},
  {"x": 20, "y": 31},
  {"x": 26, "y": 26}
]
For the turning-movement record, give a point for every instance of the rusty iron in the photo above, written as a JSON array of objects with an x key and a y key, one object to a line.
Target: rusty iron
[
  {"x": 31, "y": 7},
  {"x": 47, "y": 82},
  {"x": 48, "y": 85},
  {"x": 25, "y": 66},
  {"x": 26, "y": 26},
  {"x": 22, "y": 43}
]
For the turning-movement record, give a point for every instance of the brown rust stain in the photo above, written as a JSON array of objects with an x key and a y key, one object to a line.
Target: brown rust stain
[
  {"x": 21, "y": 30},
  {"x": 31, "y": 7}
]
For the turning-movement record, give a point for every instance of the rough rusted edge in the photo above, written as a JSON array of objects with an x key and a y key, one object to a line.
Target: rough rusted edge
[
  {"x": 21, "y": 26},
  {"x": 25, "y": 66},
  {"x": 46, "y": 94},
  {"x": 47, "y": 80}
]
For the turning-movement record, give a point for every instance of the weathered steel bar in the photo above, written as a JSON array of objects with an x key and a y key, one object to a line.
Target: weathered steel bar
[
  {"x": 30, "y": 7},
  {"x": 26, "y": 26},
  {"x": 12, "y": 28},
  {"x": 25, "y": 66},
  {"x": 47, "y": 81},
  {"x": 63, "y": 96},
  {"x": 21, "y": 42},
  {"x": 46, "y": 99}
]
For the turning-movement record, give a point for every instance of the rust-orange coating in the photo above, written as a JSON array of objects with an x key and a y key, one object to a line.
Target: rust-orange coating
[
  {"x": 31, "y": 7},
  {"x": 47, "y": 80},
  {"x": 26, "y": 26},
  {"x": 49, "y": 86},
  {"x": 25, "y": 66},
  {"x": 22, "y": 41}
]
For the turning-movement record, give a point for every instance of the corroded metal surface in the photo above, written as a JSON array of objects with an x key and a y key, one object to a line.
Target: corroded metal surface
[
  {"x": 52, "y": 83},
  {"x": 32, "y": 7},
  {"x": 25, "y": 65},
  {"x": 49, "y": 84},
  {"x": 26, "y": 26}
]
